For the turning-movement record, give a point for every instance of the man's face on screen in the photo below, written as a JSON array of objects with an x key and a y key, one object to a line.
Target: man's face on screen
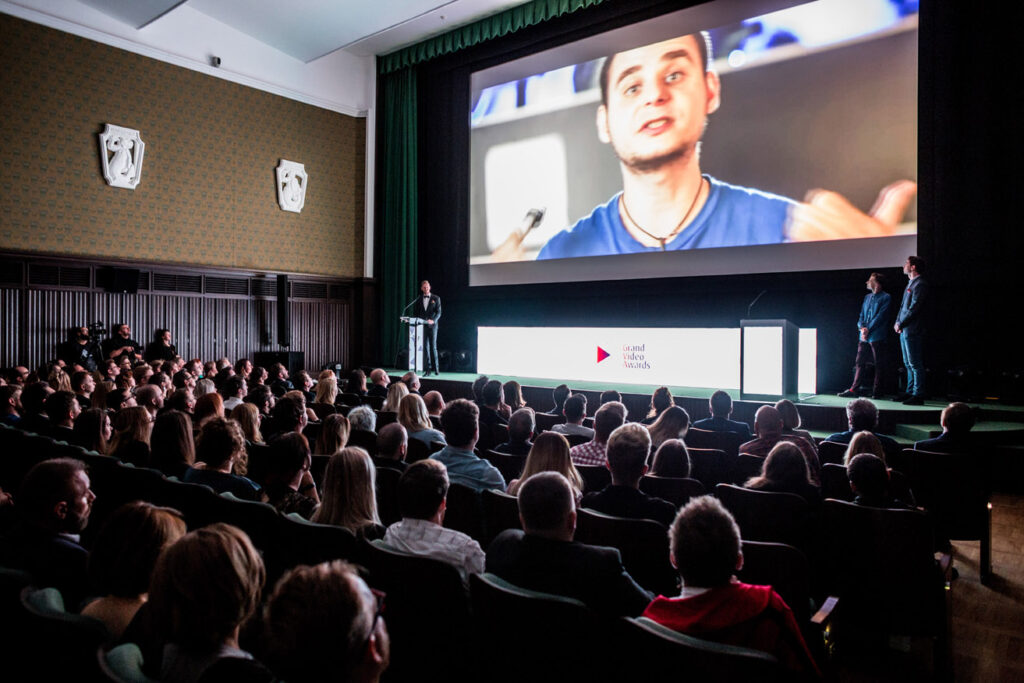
[{"x": 659, "y": 97}]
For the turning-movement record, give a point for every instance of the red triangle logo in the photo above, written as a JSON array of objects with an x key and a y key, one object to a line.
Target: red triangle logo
[{"x": 601, "y": 354}]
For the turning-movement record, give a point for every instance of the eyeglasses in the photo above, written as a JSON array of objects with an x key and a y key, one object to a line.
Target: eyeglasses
[{"x": 379, "y": 613}]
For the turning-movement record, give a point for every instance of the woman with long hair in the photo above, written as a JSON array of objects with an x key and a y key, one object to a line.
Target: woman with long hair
[
  {"x": 412, "y": 414},
  {"x": 356, "y": 383},
  {"x": 132, "y": 428},
  {"x": 248, "y": 418},
  {"x": 550, "y": 453},
  {"x": 671, "y": 459},
  {"x": 333, "y": 435},
  {"x": 289, "y": 485},
  {"x": 92, "y": 430},
  {"x": 99, "y": 394},
  {"x": 863, "y": 442},
  {"x": 207, "y": 406},
  {"x": 396, "y": 392},
  {"x": 327, "y": 390},
  {"x": 173, "y": 449},
  {"x": 513, "y": 393},
  {"x": 785, "y": 471},
  {"x": 349, "y": 499},
  {"x": 661, "y": 400},
  {"x": 673, "y": 423}
]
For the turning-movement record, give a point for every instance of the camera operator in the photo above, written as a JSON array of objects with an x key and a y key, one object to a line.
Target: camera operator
[
  {"x": 80, "y": 350},
  {"x": 121, "y": 345}
]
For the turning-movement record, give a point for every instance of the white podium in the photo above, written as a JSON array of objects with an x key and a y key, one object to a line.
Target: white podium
[{"x": 415, "y": 342}]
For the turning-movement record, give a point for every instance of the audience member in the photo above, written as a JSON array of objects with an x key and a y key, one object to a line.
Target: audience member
[
  {"x": 628, "y": 448},
  {"x": 490, "y": 404},
  {"x": 661, "y": 400},
  {"x": 10, "y": 404},
  {"x": 133, "y": 427},
  {"x": 673, "y": 423},
  {"x": 435, "y": 403},
  {"x": 93, "y": 431},
  {"x": 461, "y": 431},
  {"x": 478, "y": 390},
  {"x": 258, "y": 377},
  {"x": 120, "y": 345},
  {"x": 785, "y": 471},
  {"x": 324, "y": 624},
  {"x": 559, "y": 395},
  {"x": 720, "y": 406},
  {"x": 58, "y": 379},
  {"x": 119, "y": 400},
  {"x": 333, "y": 435},
  {"x": 172, "y": 446},
  {"x": 513, "y": 395},
  {"x": 98, "y": 399},
  {"x": 123, "y": 558},
  {"x": 289, "y": 484},
  {"x": 149, "y": 397},
  {"x": 233, "y": 390},
  {"x": 412, "y": 382},
  {"x": 869, "y": 481},
  {"x": 362, "y": 418},
  {"x": 609, "y": 396},
  {"x": 550, "y": 453},
  {"x": 79, "y": 350},
  {"x": 544, "y": 557},
  {"x": 243, "y": 368},
  {"x": 83, "y": 384},
  {"x": 289, "y": 415},
  {"x": 62, "y": 409},
  {"x": 327, "y": 391},
  {"x": 161, "y": 347},
  {"x": 575, "y": 410},
  {"x": 768, "y": 427},
  {"x": 248, "y": 418},
  {"x": 520, "y": 428},
  {"x": 392, "y": 445},
  {"x": 208, "y": 407},
  {"x": 205, "y": 386},
  {"x": 278, "y": 380},
  {"x": 379, "y": 382},
  {"x": 422, "y": 499},
  {"x": 396, "y": 392},
  {"x": 957, "y": 421},
  {"x": 33, "y": 408},
  {"x": 220, "y": 445},
  {"x": 261, "y": 397},
  {"x": 863, "y": 442},
  {"x": 791, "y": 422},
  {"x": 141, "y": 373},
  {"x": 349, "y": 498},
  {"x": 609, "y": 417},
  {"x": 671, "y": 460},
  {"x": 304, "y": 383},
  {"x": 412, "y": 414},
  {"x": 705, "y": 547},
  {"x": 204, "y": 587},
  {"x": 356, "y": 383},
  {"x": 862, "y": 414}
]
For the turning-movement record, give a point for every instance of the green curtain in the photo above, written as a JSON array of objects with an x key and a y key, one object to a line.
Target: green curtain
[{"x": 400, "y": 231}]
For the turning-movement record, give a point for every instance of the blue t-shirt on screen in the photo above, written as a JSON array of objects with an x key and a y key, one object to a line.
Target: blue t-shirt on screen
[{"x": 732, "y": 216}]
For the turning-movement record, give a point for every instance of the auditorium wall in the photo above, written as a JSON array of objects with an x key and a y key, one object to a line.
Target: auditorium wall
[{"x": 207, "y": 195}]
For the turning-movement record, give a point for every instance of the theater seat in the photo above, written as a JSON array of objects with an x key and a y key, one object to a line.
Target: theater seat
[
  {"x": 643, "y": 544},
  {"x": 676, "y": 490}
]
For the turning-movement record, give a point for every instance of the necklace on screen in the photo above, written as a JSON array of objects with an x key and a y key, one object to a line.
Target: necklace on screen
[{"x": 679, "y": 226}]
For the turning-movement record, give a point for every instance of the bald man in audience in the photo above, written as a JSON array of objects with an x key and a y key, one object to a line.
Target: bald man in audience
[
  {"x": 379, "y": 382},
  {"x": 768, "y": 427},
  {"x": 957, "y": 421},
  {"x": 435, "y": 403},
  {"x": 392, "y": 445}
]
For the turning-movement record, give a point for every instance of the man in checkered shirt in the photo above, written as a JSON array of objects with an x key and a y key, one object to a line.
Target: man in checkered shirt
[{"x": 608, "y": 418}]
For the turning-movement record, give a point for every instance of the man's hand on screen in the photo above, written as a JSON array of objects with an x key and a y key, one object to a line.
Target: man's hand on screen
[{"x": 827, "y": 215}]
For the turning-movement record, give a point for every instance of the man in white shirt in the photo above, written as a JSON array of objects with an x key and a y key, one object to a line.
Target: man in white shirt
[{"x": 422, "y": 498}]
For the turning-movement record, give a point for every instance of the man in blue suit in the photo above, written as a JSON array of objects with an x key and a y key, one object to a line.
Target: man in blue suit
[
  {"x": 872, "y": 324},
  {"x": 910, "y": 325}
]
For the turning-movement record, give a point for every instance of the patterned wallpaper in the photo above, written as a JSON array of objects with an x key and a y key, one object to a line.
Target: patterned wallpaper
[{"x": 207, "y": 194}]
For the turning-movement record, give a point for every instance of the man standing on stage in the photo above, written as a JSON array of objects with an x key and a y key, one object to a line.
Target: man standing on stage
[
  {"x": 874, "y": 315},
  {"x": 909, "y": 325},
  {"x": 428, "y": 307}
]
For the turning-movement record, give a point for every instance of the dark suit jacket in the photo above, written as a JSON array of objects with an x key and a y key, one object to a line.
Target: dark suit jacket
[
  {"x": 377, "y": 390},
  {"x": 721, "y": 424},
  {"x": 624, "y": 501},
  {"x": 590, "y": 573},
  {"x": 946, "y": 443},
  {"x": 432, "y": 310}
]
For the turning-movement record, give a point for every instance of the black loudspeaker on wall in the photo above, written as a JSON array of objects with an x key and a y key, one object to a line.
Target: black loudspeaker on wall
[{"x": 284, "y": 321}]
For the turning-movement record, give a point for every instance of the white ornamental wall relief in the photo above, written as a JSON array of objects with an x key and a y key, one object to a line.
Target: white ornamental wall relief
[
  {"x": 291, "y": 185},
  {"x": 121, "y": 151}
]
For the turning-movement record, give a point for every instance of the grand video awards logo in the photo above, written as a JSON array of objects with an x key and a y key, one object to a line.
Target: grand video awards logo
[{"x": 634, "y": 356}]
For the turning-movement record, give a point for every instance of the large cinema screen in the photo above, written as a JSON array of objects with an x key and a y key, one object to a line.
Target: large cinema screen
[{"x": 731, "y": 137}]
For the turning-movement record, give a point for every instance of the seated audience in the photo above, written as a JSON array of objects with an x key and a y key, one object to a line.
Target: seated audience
[
  {"x": 559, "y": 395},
  {"x": 99, "y": 394},
  {"x": 435, "y": 403},
  {"x": 512, "y": 391},
  {"x": 53, "y": 502},
  {"x": 160, "y": 348},
  {"x": 422, "y": 499},
  {"x": 220, "y": 445},
  {"x": 521, "y": 426},
  {"x": 720, "y": 406},
  {"x": 544, "y": 557},
  {"x": 461, "y": 431},
  {"x": 119, "y": 400},
  {"x": 957, "y": 421},
  {"x": 233, "y": 390},
  {"x": 863, "y": 442},
  {"x": 705, "y": 548},
  {"x": 326, "y": 391},
  {"x": 33, "y": 408},
  {"x": 181, "y": 399},
  {"x": 62, "y": 409},
  {"x": 609, "y": 417},
  {"x": 785, "y": 471},
  {"x": 575, "y": 410},
  {"x": 324, "y": 624},
  {"x": 768, "y": 427},
  {"x": 478, "y": 389},
  {"x": 791, "y": 421},
  {"x": 610, "y": 395},
  {"x": 862, "y": 415},
  {"x": 628, "y": 448},
  {"x": 412, "y": 382},
  {"x": 133, "y": 427},
  {"x": 550, "y": 453},
  {"x": 661, "y": 400},
  {"x": 204, "y": 587},
  {"x": 869, "y": 481},
  {"x": 363, "y": 418},
  {"x": 304, "y": 383},
  {"x": 278, "y": 380},
  {"x": 80, "y": 351},
  {"x": 356, "y": 383},
  {"x": 162, "y": 381},
  {"x": 289, "y": 484},
  {"x": 379, "y": 382},
  {"x": 261, "y": 397},
  {"x": 92, "y": 430},
  {"x": 396, "y": 392},
  {"x": 58, "y": 379},
  {"x": 122, "y": 560},
  {"x": 248, "y": 418},
  {"x": 204, "y": 386},
  {"x": 392, "y": 446},
  {"x": 10, "y": 404},
  {"x": 412, "y": 414},
  {"x": 673, "y": 423},
  {"x": 258, "y": 377},
  {"x": 333, "y": 435},
  {"x": 289, "y": 415},
  {"x": 349, "y": 497},
  {"x": 172, "y": 446},
  {"x": 671, "y": 460},
  {"x": 150, "y": 397},
  {"x": 243, "y": 368},
  {"x": 490, "y": 404},
  {"x": 83, "y": 384}
]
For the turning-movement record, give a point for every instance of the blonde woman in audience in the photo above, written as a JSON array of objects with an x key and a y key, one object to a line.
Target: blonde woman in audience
[
  {"x": 396, "y": 392},
  {"x": 327, "y": 374},
  {"x": 412, "y": 414},
  {"x": 863, "y": 442},
  {"x": 333, "y": 435},
  {"x": 791, "y": 422},
  {"x": 248, "y": 418},
  {"x": 59, "y": 379},
  {"x": 550, "y": 453},
  {"x": 122, "y": 560},
  {"x": 327, "y": 390},
  {"x": 132, "y": 428},
  {"x": 673, "y": 423},
  {"x": 349, "y": 498}
]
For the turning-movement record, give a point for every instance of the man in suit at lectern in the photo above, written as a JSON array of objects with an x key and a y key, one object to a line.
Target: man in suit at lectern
[{"x": 428, "y": 307}]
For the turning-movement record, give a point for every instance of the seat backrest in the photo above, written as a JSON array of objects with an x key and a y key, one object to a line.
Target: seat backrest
[
  {"x": 464, "y": 511},
  {"x": 60, "y": 645},
  {"x": 745, "y": 467},
  {"x": 723, "y": 441},
  {"x": 782, "y": 567},
  {"x": 318, "y": 468},
  {"x": 835, "y": 483},
  {"x": 349, "y": 399},
  {"x": 953, "y": 487},
  {"x": 667, "y": 654},
  {"x": 767, "y": 516},
  {"x": 577, "y": 439},
  {"x": 416, "y": 450},
  {"x": 676, "y": 490},
  {"x": 710, "y": 466},
  {"x": 258, "y": 465},
  {"x": 305, "y": 542},
  {"x": 643, "y": 544},
  {"x": 510, "y": 466},
  {"x": 501, "y": 511},
  {"x": 199, "y": 503},
  {"x": 545, "y": 422},
  {"x": 257, "y": 520},
  {"x": 116, "y": 483},
  {"x": 123, "y": 664},
  {"x": 364, "y": 439},
  {"x": 387, "y": 495},
  {"x": 375, "y": 402},
  {"x": 595, "y": 477},
  {"x": 386, "y": 417},
  {"x": 322, "y": 410},
  {"x": 831, "y": 452}
]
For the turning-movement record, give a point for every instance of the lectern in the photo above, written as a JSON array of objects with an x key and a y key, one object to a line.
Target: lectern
[
  {"x": 769, "y": 359},
  {"x": 415, "y": 342}
]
